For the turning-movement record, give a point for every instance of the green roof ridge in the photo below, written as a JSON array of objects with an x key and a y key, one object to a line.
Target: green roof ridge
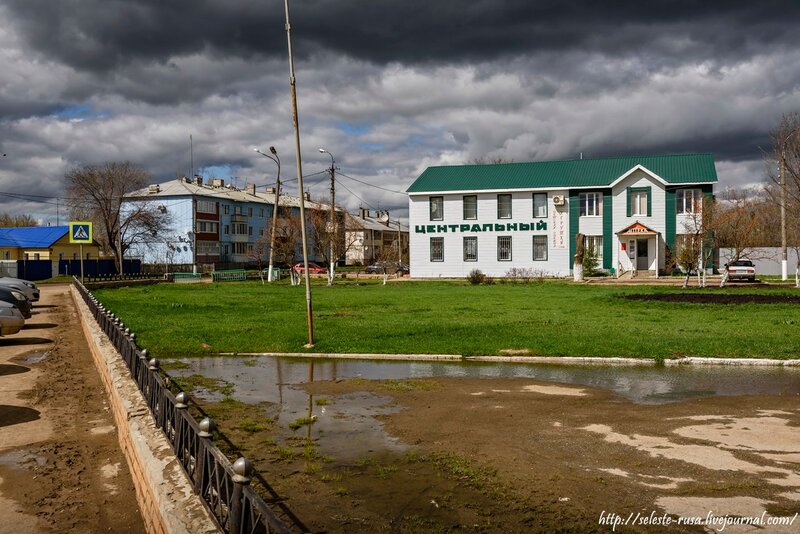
[{"x": 589, "y": 172}]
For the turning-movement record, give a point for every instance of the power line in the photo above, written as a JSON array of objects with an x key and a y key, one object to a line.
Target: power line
[
  {"x": 358, "y": 197},
  {"x": 372, "y": 185}
]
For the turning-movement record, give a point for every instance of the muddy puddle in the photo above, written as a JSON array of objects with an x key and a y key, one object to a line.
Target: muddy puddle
[
  {"x": 268, "y": 378},
  {"x": 351, "y": 426}
]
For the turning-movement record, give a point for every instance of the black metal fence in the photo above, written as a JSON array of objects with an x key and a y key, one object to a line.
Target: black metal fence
[{"x": 224, "y": 487}]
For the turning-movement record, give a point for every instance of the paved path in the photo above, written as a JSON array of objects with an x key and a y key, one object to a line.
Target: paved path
[{"x": 61, "y": 469}]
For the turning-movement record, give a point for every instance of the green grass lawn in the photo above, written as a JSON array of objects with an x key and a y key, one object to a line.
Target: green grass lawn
[{"x": 551, "y": 318}]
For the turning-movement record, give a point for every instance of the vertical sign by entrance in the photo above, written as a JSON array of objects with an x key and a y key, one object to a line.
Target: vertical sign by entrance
[{"x": 80, "y": 232}]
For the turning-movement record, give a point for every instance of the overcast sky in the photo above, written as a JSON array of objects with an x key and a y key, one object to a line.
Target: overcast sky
[{"x": 388, "y": 87}]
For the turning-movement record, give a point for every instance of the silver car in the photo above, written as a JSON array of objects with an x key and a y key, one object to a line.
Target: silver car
[
  {"x": 28, "y": 288},
  {"x": 11, "y": 320}
]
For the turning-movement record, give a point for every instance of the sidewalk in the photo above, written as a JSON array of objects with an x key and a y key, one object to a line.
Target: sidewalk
[{"x": 61, "y": 468}]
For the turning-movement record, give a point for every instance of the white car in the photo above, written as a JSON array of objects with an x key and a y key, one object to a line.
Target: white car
[
  {"x": 742, "y": 270},
  {"x": 11, "y": 319},
  {"x": 29, "y": 289}
]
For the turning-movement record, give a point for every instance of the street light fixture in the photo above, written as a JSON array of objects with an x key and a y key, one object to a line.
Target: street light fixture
[
  {"x": 332, "y": 229},
  {"x": 277, "y": 161}
]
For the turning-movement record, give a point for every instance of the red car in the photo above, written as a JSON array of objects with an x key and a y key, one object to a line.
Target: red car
[{"x": 313, "y": 268}]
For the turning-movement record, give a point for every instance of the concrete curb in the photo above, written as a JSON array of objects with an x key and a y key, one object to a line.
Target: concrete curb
[
  {"x": 561, "y": 360},
  {"x": 165, "y": 496}
]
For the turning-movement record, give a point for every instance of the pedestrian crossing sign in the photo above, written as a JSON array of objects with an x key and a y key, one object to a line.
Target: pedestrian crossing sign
[{"x": 80, "y": 232}]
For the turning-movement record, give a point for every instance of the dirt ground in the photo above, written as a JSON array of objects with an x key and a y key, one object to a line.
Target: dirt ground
[
  {"x": 719, "y": 298},
  {"x": 516, "y": 455},
  {"x": 61, "y": 469}
]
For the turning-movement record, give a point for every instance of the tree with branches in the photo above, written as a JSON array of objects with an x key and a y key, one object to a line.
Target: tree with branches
[
  {"x": 97, "y": 194},
  {"x": 738, "y": 219},
  {"x": 784, "y": 173},
  {"x": 8, "y": 220}
]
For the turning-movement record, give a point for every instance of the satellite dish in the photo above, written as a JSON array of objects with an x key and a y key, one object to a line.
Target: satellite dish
[{"x": 383, "y": 216}]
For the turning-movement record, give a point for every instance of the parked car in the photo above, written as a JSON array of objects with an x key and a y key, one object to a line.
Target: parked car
[
  {"x": 18, "y": 299},
  {"x": 313, "y": 268},
  {"x": 742, "y": 270},
  {"x": 391, "y": 267},
  {"x": 11, "y": 319},
  {"x": 28, "y": 288}
]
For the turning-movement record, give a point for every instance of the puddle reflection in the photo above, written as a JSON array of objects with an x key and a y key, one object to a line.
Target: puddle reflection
[{"x": 347, "y": 427}]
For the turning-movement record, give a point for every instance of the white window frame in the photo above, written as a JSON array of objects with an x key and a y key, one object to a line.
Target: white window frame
[
  {"x": 472, "y": 199},
  {"x": 542, "y": 199},
  {"x": 591, "y": 199},
  {"x": 597, "y": 242},
  {"x": 436, "y": 214},
  {"x": 501, "y": 248},
  {"x": 639, "y": 203},
  {"x": 500, "y": 205},
  {"x": 437, "y": 249},
  {"x": 470, "y": 248},
  {"x": 206, "y": 206},
  {"x": 541, "y": 240},
  {"x": 694, "y": 204}
]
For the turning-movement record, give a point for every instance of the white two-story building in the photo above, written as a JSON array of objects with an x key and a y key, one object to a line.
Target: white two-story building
[{"x": 631, "y": 210}]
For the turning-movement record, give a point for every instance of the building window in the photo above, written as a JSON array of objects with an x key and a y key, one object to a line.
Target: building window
[
  {"x": 261, "y": 212},
  {"x": 207, "y": 227},
  {"x": 227, "y": 249},
  {"x": 471, "y": 207},
  {"x": 206, "y": 206},
  {"x": 240, "y": 229},
  {"x": 471, "y": 249},
  {"x": 437, "y": 208},
  {"x": 688, "y": 201},
  {"x": 208, "y": 248},
  {"x": 540, "y": 205},
  {"x": 249, "y": 212},
  {"x": 226, "y": 209},
  {"x": 591, "y": 204},
  {"x": 504, "y": 248},
  {"x": 503, "y": 206},
  {"x": 437, "y": 249},
  {"x": 36, "y": 256},
  {"x": 594, "y": 245},
  {"x": 540, "y": 248},
  {"x": 249, "y": 230},
  {"x": 227, "y": 229},
  {"x": 639, "y": 203}
]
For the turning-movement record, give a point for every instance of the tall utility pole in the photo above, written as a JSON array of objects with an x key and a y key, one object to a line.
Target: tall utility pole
[
  {"x": 784, "y": 254},
  {"x": 277, "y": 160},
  {"x": 332, "y": 228},
  {"x": 293, "y": 85}
]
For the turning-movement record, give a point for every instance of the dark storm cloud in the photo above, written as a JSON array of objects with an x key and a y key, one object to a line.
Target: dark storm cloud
[{"x": 102, "y": 35}]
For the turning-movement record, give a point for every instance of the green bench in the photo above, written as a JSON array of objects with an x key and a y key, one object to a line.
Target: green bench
[
  {"x": 184, "y": 278},
  {"x": 227, "y": 276}
]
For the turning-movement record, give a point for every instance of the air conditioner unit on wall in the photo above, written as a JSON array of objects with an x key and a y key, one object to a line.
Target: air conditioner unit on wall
[{"x": 558, "y": 200}]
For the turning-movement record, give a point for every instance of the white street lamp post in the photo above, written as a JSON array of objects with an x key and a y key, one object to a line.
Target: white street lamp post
[
  {"x": 332, "y": 229},
  {"x": 277, "y": 161}
]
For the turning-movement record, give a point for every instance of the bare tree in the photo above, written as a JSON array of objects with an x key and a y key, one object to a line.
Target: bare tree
[
  {"x": 96, "y": 193},
  {"x": 696, "y": 243},
  {"x": 287, "y": 239},
  {"x": 785, "y": 174},
  {"x": 322, "y": 236},
  {"x": 7, "y": 220},
  {"x": 259, "y": 252},
  {"x": 738, "y": 218}
]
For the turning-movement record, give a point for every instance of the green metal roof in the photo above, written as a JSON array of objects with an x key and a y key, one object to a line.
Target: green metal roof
[{"x": 674, "y": 169}]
